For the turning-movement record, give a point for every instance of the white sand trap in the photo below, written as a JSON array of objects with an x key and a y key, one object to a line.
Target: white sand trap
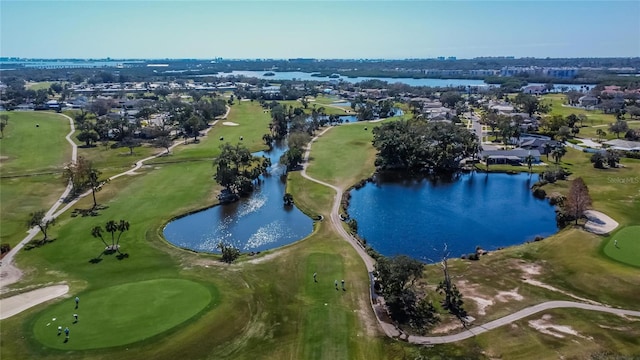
[
  {"x": 19, "y": 303},
  {"x": 481, "y": 303},
  {"x": 230, "y": 123},
  {"x": 599, "y": 223},
  {"x": 504, "y": 296},
  {"x": 544, "y": 326}
]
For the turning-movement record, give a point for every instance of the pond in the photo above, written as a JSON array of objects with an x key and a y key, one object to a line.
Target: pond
[
  {"x": 256, "y": 223},
  {"x": 417, "y": 217}
]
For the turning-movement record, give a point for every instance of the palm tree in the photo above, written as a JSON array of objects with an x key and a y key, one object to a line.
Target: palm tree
[
  {"x": 122, "y": 226},
  {"x": 547, "y": 149},
  {"x": 529, "y": 160},
  {"x": 558, "y": 153},
  {"x": 111, "y": 227},
  {"x": 96, "y": 232}
]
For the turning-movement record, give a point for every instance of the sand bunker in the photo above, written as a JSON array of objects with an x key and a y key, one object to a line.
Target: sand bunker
[
  {"x": 230, "y": 123},
  {"x": 599, "y": 223}
]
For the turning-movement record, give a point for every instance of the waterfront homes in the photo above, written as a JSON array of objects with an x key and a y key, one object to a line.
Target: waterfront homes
[{"x": 513, "y": 157}]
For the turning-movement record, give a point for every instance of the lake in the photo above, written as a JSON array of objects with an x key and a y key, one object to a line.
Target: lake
[
  {"x": 417, "y": 217},
  {"x": 256, "y": 223}
]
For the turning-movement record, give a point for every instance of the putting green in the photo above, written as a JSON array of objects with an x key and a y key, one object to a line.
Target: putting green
[
  {"x": 122, "y": 314},
  {"x": 628, "y": 249}
]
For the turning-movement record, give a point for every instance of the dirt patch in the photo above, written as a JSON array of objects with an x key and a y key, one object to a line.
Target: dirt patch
[
  {"x": 529, "y": 268},
  {"x": 549, "y": 287},
  {"x": 544, "y": 326},
  {"x": 470, "y": 291},
  {"x": 504, "y": 296},
  {"x": 447, "y": 328},
  {"x": 267, "y": 257}
]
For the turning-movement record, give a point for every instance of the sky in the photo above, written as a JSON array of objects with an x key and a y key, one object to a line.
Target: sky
[{"x": 318, "y": 29}]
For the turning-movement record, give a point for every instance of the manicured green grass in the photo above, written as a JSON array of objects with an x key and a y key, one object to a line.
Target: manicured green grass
[
  {"x": 270, "y": 308},
  {"x": 628, "y": 249},
  {"x": 27, "y": 149},
  {"x": 20, "y": 196},
  {"x": 331, "y": 162},
  {"x": 122, "y": 314}
]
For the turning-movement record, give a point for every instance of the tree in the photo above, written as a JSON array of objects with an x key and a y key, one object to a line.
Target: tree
[
  {"x": 598, "y": 160},
  {"x": 39, "y": 219},
  {"x": 292, "y": 158},
  {"x": 288, "y": 199},
  {"x": 453, "y": 298},
  {"x": 450, "y": 98},
  {"x": 163, "y": 142},
  {"x": 111, "y": 227},
  {"x": 613, "y": 158},
  {"x": 88, "y": 136},
  {"x": 193, "y": 126},
  {"x": 601, "y": 134},
  {"x": 529, "y": 160},
  {"x": 229, "y": 252},
  {"x": 131, "y": 143},
  {"x": 96, "y": 232},
  {"x": 2, "y": 126},
  {"x": 620, "y": 126},
  {"x": 396, "y": 278},
  {"x": 564, "y": 132},
  {"x": 83, "y": 175},
  {"x": 236, "y": 168},
  {"x": 529, "y": 103},
  {"x": 121, "y": 226},
  {"x": 558, "y": 152},
  {"x": 578, "y": 200}
]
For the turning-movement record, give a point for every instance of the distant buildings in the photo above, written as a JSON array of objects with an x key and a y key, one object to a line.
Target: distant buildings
[{"x": 553, "y": 72}]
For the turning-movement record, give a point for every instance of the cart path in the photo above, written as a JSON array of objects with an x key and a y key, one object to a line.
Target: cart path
[
  {"x": 390, "y": 329},
  {"x": 9, "y": 273},
  {"x": 19, "y": 303}
]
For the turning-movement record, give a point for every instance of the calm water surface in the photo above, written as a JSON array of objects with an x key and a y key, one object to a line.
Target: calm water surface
[
  {"x": 417, "y": 217},
  {"x": 259, "y": 222}
]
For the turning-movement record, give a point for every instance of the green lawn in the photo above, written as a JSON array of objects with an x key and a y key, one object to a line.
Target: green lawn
[
  {"x": 269, "y": 307},
  {"x": 331, "y": 162},
  {"x": 39, "y": 85},
  {"x": 628, "y": 249},
  {"x": 122, "y": 314},
  {"x": 27, "y": 149},
  {"x": 32, "y": 159}
]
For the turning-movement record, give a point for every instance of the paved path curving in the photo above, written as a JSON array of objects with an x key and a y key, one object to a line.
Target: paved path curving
[
  {"x": 391, "y": 331},
  {"x": 10, "y": 274}
]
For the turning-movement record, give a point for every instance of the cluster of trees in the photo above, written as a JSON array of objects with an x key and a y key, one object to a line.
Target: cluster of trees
[
  {"x": 416, "y": 145},
  {"x": 610, "y": 157},
  {"x": 111, "y": 227},
  {"x": 237, "y": 168},
  {"x": 397, "y": 282},
  {"x": 367, "y": 109},
  {"x": 84, "y": 176},
  {"x": 4, "y": 122}
]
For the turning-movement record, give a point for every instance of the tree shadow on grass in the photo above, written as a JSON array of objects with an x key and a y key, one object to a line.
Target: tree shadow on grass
[
  {"x": 122, "y": 256},
  {"x": 37, "y": 243},
  {"x": 92, "y": 211}
]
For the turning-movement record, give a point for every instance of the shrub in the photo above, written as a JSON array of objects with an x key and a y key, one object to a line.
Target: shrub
[
  {"x": 5, "y": 248},
  {"x": 229, "y": 252},
  {"x": 539, "y": 193}
]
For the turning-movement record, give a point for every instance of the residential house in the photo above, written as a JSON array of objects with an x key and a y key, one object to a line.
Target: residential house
[
  {"x": 534, "y": 89},
  {"x": 624, "y": 145},
  {"x": 513, "y": 157},
  {"x": 538, "y": 144},
  {"x": 588, "y": 101}
]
